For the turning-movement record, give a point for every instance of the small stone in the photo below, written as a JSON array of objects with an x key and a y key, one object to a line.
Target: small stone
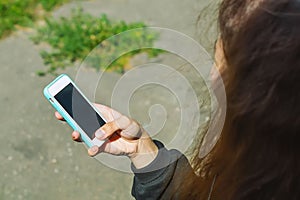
[{"x": 207, "y": 119}]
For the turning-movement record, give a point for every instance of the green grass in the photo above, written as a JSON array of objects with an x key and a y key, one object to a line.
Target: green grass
[
  {"x": 22, "y": 13},
  {"x": 72, "y": 39},
  {"x": 49, "y": 5}
]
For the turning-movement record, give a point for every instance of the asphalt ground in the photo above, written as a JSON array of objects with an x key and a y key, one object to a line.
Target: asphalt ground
[{"x": 38, "y": 158}]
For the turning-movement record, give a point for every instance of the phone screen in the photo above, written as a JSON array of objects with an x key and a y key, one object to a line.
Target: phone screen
[{"x": 80, "y": 110}]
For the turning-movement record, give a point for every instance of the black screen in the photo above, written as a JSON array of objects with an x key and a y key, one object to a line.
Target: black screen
[{"x": 80, "y": 110}]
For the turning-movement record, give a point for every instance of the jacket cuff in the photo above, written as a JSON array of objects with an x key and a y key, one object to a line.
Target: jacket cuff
[{"x": 156, "y": 167}]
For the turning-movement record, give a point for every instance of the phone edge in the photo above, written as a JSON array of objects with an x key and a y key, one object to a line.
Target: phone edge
[{"x": 63, "y": 113}]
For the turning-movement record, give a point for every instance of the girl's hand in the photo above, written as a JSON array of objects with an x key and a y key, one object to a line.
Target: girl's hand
[{"x": 124, "y": 137}]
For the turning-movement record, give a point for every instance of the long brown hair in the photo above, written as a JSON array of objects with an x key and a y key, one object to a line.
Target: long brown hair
[{"x": 257, "y": 155}]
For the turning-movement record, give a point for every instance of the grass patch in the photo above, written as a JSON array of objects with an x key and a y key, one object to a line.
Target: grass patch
[
  {"x": 72, "y": 39},
  {"x": 49, "y": 5},
  {"x": 22, "y": 13}
]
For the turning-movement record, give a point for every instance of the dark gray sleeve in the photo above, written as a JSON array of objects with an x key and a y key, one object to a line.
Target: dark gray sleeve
[{"x": 161, "y": 179}]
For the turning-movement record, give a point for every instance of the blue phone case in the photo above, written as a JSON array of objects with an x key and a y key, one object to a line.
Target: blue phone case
[{"x": 63, "y": 113}]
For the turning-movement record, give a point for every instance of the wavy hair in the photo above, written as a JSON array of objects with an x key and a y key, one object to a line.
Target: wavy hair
[{"x": 257, "y": 155}]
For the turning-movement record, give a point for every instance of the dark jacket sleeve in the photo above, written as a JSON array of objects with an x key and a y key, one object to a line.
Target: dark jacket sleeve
[{"x": 161, "y": 178}]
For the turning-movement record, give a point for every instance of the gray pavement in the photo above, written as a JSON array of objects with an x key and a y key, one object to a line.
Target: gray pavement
[{"x": 38, "y": 159}]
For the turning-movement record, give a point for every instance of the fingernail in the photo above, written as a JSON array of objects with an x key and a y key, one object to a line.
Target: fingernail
[
  {"x": 94, "y": 149},
  {"x": 99, "y": 134}
]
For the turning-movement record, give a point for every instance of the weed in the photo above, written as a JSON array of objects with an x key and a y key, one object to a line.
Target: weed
[
  {"x": 22, "y": 13},
  {"x": 72, "y": 39}
]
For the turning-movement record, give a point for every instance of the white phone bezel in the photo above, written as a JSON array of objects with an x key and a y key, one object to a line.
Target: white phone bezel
[{"x": 59, "y": 85}]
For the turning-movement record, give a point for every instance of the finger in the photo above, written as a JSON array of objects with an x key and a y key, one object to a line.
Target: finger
[
  {"x": 110, "y": 128},
  {"x": 76, "y": 136},
  {"x": 125, "y": 127},
  {"x": 94, "y": 150},
  {"x": 108, "y": 113},
  {"x": 133, "y": 131},
  {"x": 118, "y": 147},
  {"x": 58, "y": 116}
]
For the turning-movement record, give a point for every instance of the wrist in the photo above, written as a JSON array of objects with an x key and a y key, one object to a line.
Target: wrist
[{"x": 146, "y": 152}]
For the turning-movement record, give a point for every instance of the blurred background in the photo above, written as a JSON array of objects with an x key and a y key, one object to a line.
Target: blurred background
[{"x": 42, "y": 38}]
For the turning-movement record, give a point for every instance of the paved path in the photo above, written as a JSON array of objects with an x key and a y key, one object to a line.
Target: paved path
[{"x": 38, "y": 160}]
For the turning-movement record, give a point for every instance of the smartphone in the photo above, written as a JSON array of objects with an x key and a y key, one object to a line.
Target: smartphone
[{"x": 75, "y": 108}]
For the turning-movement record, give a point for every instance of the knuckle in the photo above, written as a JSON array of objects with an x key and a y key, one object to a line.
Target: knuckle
[
  {"x": 135, "y": 123},
  {"x": 126, "y": 120},
  {"x": 132, "y": 130},
  {"x": 130, "y": 149},
  {"x": 123, "y": 122},
  {"x": 108, "y": 127}
]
